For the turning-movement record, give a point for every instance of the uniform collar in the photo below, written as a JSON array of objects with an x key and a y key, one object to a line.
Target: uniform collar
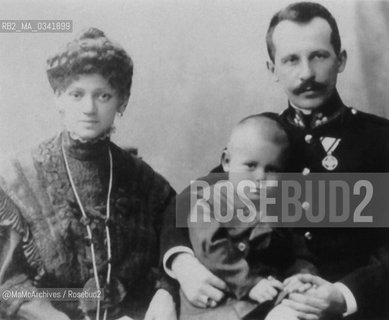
[{"x": 330, "y": 111}]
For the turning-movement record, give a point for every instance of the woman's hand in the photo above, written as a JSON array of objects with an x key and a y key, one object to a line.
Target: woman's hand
[
  {"x": 202, "y": 288},
  {"x": 161, "y": 307}
]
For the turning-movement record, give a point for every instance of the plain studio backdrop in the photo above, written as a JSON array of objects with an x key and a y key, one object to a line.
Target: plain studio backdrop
[{"x": 199, "y": 68}]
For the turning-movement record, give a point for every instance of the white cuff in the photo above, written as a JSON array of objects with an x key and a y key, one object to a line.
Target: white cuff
[
  {"x": 170, "y": 253},
  {"x": 351, "y": 303}
]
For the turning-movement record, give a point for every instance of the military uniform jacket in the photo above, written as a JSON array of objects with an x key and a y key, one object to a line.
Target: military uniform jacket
[{"x": 356, "y": 257}]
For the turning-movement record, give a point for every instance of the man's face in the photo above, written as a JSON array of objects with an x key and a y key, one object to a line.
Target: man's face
[{"x": 305, "y": 62}]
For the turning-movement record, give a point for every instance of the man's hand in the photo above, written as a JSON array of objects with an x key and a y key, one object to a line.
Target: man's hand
[
  {"x": 161, "y": 307},
  {"x": 201, "y": 287},
  {"x": 265, "y": 290},
  {"x": 323, "y": 300}
]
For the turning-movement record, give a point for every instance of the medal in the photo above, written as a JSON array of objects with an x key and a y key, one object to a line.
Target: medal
[
  {"x": 329, "y": 162},
  {"x": 329, "y": 144}
]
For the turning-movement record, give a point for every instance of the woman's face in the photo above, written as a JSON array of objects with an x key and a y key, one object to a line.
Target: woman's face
[{"x": 88, "y": 106}]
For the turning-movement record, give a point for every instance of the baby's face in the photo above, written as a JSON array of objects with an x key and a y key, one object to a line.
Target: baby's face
[{"x": 256, "y": 160}]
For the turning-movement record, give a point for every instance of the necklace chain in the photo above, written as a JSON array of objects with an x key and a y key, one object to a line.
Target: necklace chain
[{"x": 88, "y": 229}]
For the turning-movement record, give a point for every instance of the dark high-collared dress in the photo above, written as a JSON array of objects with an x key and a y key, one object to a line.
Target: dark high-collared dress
[{"x": 43, "y": 237}]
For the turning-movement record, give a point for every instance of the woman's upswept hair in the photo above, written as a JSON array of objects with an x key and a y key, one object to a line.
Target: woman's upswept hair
[{"x": 91, "y": 52}]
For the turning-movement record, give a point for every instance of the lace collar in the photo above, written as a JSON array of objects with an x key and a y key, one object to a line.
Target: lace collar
[{"x": 85, "y": 149}]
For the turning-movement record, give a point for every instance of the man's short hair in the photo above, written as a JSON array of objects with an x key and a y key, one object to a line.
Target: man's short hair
[{"x": 302, "y": 12}]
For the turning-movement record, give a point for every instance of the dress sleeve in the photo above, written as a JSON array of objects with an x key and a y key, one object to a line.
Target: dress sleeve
[
  {"x": 161, "y": 198},
  {"x": 173, "y": 235},
  {"x": 169, "y": 234}
]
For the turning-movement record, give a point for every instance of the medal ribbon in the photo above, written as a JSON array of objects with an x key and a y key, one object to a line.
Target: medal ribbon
[{"x": 329, "y": 149}]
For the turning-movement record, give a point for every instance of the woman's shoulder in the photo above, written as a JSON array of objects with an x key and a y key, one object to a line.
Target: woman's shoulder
[
  {"x": 131, "y": 163},
  {"x": 21, "y": 162},
  {"x": 36, "y": 150}
]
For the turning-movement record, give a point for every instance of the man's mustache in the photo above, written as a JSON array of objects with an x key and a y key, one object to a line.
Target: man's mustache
[{"x": 309, "y": 86}]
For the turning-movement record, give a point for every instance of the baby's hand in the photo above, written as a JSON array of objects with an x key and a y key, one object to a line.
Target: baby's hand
[
  {"x": 293, "y": 284},
  {"x": 265, "y": 290}
]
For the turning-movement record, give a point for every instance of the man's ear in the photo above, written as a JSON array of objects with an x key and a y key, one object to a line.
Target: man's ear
[
  {"x": 342, "y": 59},
  {"x": 272, "y": 69},
  {"x": 225, "y": 160}
]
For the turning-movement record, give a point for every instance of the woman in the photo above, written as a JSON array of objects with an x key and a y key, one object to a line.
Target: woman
[{"x": 78, "y": 211}]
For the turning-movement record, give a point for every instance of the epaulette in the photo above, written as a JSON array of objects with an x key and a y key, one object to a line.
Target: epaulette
[{"x": 371, "y": 118}]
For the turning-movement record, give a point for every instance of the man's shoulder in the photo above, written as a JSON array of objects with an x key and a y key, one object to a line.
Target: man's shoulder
[
  {"x": 366, "y": 127},
  {"x": 369, "y": 118}
]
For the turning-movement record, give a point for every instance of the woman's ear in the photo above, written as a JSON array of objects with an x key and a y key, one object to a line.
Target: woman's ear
[
  {"x": 58, "y": 101},
  {"x": 123, "y": 104},
  {"x": 225, "y": 160}
]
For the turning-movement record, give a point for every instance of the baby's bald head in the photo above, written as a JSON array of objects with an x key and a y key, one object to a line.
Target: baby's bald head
[{"x": 259, "y": 126}]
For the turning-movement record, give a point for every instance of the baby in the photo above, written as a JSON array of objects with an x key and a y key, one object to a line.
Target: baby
[{"x": 251, "y": 257}]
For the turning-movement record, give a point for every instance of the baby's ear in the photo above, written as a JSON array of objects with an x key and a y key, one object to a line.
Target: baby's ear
[{"x": 225, "y": 160}]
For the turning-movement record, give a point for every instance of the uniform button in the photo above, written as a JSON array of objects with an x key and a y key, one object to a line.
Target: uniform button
[
  {"x": 308, "y": 138},
  {"x": 306, "y": 171},
  {"x": 308, "y": 235},
  {"x": 241, "y": 246},
  {"x": 306, "y": 205},
  {"x": 318, "y": 122}
]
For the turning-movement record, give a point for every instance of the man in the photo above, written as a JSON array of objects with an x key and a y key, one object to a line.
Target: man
[
  {"x": 305, "y": 58},
  {"x": 326, "y": 136}
]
